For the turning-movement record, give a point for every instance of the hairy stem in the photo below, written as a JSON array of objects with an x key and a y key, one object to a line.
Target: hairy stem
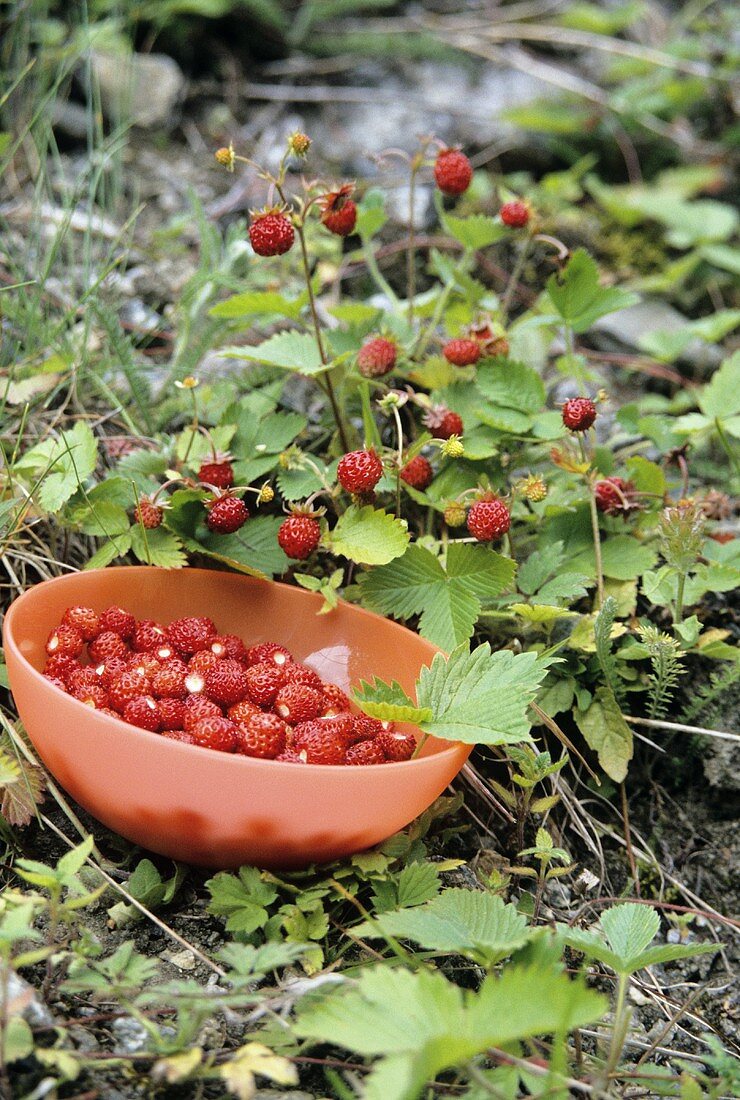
[{"x": 514, "y": 279}]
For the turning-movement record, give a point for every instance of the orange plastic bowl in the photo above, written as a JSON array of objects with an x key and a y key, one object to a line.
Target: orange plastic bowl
[{"x": 207, "y": 807}]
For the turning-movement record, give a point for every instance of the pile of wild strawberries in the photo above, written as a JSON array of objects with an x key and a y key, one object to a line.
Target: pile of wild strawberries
[{"x": 187, "y": 682}]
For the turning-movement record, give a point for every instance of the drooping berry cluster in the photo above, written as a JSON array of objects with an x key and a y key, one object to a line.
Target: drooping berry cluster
[{"x": 187, "y": 682}]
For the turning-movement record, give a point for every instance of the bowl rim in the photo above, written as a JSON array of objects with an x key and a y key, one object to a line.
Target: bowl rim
[{"x": 15, "y": 609}]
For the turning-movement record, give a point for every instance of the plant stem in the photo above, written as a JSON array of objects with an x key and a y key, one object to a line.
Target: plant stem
[
  {"x": 679, "y": 597},
  {"x": 597, "y": 546},
  {"x": 426, "y": 336},
  {"x": 628, "y": 838},
  {"x": 380, "y": 280},
  {"x": 514, "y": 279},
  {"x": 193, "y": 427},
  {"x": 620, "y": 1026}
]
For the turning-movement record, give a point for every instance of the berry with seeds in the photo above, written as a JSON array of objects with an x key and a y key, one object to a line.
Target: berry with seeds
[
  {"x": 60, "y": 666},
  {"x": 300, "y": 674},
  {"x": 126, "y": 686},
  {"x": 443, "y": 423},
  {"x": 298, "y": 703},
  {"x": 56, "y": 682},
  {"x": 396, "y": 745},
  {"x": 148, "y": 636},
  {"x": 226, "y": 514},
  {"x": 192, "y": 633},
  {"x": 262, "y": 735},
  {"x": 169, "y": 681},
  {"x": 110, "y": 668},
  {"x": 242, "y": 712},
  {"x": 84, "y": 620},
  {"x": 452, "y": 172},
  {"x": 107, "y": 646},
  {"x": 82, "y": 678},
  {"x": 579, "y": 414},
  {"x": 455, "y": 514},
  {"x": 338, "y": 727},
  {"x": 488, "y": 519},
  {"x": 359, "y": 471},
  {"x": 143, "y": 711},
  {"x": 365, "y": 752},
  {"x": 263, "y": 682},
  {"x": 417, "y": 473},
  {"x": 201, "y": 661},
  {"x": 228, "y": 645},
  {"x": 321, "y": 745},
  {"x": 172, "y": 712},
  {"x": 615, "y": 496},
  {"x": 515, "y": 214},
  {"x": 338, "y": 210},
  {"x": 198, "y": 707},
  {"x": 215, "y": 733},
  {"x": 226, "y": 682},
  {"x": 217, "y": 471},
  {"x": 268, "y": 651},
  {"x": 365, "y": 728},
  {"x": 289, "y": 756},
  {"x": 377, "y": 357},
  {"x": 64, "y": 641},
  {"x": 143, "y": 664},
  {"x": 271, "y": 233},
  {"x": 176, "y": 734},
  {"x": 298, "y": 536},
  {"x": 119, "y": 621},
  {"x": 149, "y": 514},
  {"x": 462, "y": 352},
  {"x": 92, "y": 695},
  {"x": 336, "y": 700}
]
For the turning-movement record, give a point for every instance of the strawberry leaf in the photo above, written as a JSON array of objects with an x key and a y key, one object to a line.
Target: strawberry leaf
[
  {"x": 294, "y": 351},
  {"x": 390, "y": 703},
  {"x": 577, "y": 296},
  {"x": 368, "y": 536}
]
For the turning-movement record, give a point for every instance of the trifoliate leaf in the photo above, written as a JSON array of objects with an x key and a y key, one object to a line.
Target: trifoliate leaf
[
  {"x": 606, "y": 731},
  {"x": 578, "y": 297},
  {"x": 255, "y": 303},
  {"x": 447, "y": 598},
  {"x": 390, "y": 703},
  {"x": 369, "y": 536},
  {"x": 294, "y": 351},
  {"x": 241, "y": 898},
  {"x": 480, "y": 697},
  {"x": 465, "y": 922},
  {"x": 512, "y": 385}
]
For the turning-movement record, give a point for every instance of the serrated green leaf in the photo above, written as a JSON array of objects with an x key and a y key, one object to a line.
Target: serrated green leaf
[
  {"x": 242, "y": 898},
  {"x": 389, "y": 703},
  {"x": 253, "y": 303},
  {"x": 541, "y": 613},
  {"x": 371, "y": 216},
  {"x": 480, "y": 697},
  {"x": 629, "y": 928},
  {"x": 109, "y": 551},
  {"x": 448, "y": 599},
  {"x": 67, "y": 463},
  {"x": 721, "y": 396},
  {"x": 294, "y": 351},
  {"x": 417, "y": 883},
  {"x": 606, "y": 731},
  {"x": 476, "y": 231},
  {"x": 579, "y": 298},
  {"x": 512, "y": 385},
  {"x": 368, "y": 536},
  {"x": 466, "y": 922},
  {"x": 158, "y": 547}
]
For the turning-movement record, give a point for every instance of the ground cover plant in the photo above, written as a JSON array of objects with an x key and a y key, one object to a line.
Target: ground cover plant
[{"x": 411, "y": 411}]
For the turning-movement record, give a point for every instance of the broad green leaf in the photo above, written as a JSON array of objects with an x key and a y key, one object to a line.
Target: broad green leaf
[
  {"x": 417, "y": 883},
  {"x": 629, "y": 928},
  {"x": 66, "y": 463},
  {"x": 102, "y": 519},
  {"x": 109, "y": 551},
  {"x": 538, "y": 567},
  {"x": 295, "y": 351},
  {"x": 480, "y": 697},
  {"x": 511, "y": 384},
  {"x": 466, "y": 922},
  {"x": 448, "y": 599},
  {"x": 579, "y": 298},
  {"x": 476, "y": 231},
  {"x": 369, "y": 536},
  {"x": 257, "y": 302},
  {"x": 241, "y": 898},
  {"x": 623, "y": 558},
  {"x": 606, "y": 731},
  {"x": 389, "y": 702},
  {"x": 158, "y": 547},
  {"x": 541, "y": 613},
  {"x": 17, "y": 1039},
  {"x": 721, "y": 396},
  {"x": 668, "y": 344},
  {"x": 371, "y": 215}
]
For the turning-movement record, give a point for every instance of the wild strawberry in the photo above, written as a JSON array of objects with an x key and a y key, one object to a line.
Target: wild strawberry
[
  {"x": 488, "y": 519},
  {"x": 290, "y": 756},
  {"x": 148, "y": 636},
  {"x": 462, "y": 352},
  {"x": 169, "y": 681},
  {"x": 298, "y": 703},
  {"x": 228, "y": 645},
  {"x": 176, "y": 734},
  {"x": 127, "y": 686},
  {"x": 56, "y": 682},
  {"x": 201, "y": 661},
  {"x": 377, "y": 357},
  {"x": 172, "y": 712},
  {"x": 300, "y": 674},
  {"x": 64, "y": 641},
  {"x": 92, "y": 695},
  {"x": 263, "y": 682},
  {"x": 417, "y": 473},
  {"x": 452, "y": 172},
  {"x": 108, "y": 670},
  {"x": 143, "y": 664},
  {"x": 515, "y": 214},
  {"x": 338, "y": 728},
  {"x": 198, "y": 707},
  {"x": 84, "y": 620},
  {"x": 365, "y": 752},
  {"x": 261, "y": 735},
  {"x": 298, "y": 536},
  {"x": 579, "y": 414},
  {"x": 143, "y": 711},
  {"x": 59, "y": 666},
  {"x": 443, "y": 423},
  {"x": 215, "y": 733},
  {"x": 195, "y": 683},
  {"x": 226, "y": 682},
  {"x": 226, "y": 514},
  {"x": 192, "y": 633},
  {"x": 321, "y": 745},
  {"x": 359, "y": 471},
  {"x": 217, "y": 471},
  {"x": 149, "y": 514},
  {"x": 365, "y": 728},
  {"x": 109, "y": 712},
  {"x": 338, "y": 210},
  {"x": 337, "y": 701},
  {"x": 271, "y": 232},
  {"x": 243, "y": 711},
  {"x": 106, "y": 646},
  {"x": 455, "y": 514},
  {"x": 268, "y": 651},
  {"x": 119, "y": 621},
  {"x": 82, "y": 678},
  {"x": 615, "y": 496},
  {"x": 396, "y": 744}
]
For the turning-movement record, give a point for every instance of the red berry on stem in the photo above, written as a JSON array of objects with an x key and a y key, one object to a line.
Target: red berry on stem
[
  {"x": 452, "y": 172},
  {"x": 271, "y": 233},
  {"x": 217, "y": 471},
  {"x": 149, "y": 514},
  {"x": 359, "y": 471},
  {"x": 514, "y": 214},
  {"x": 488, "y": 519},
  {"x": 462, "y": 352},
  {"x": 614, "y": 495},
  {"x": 377, "y": 357},
  {"x": 226, "y": 514},
  {"x": 338, "y": 210},
  {"x": 579, "y": 414},
  {"x": 443, "y": 423},
  {"x": 417, "y": 473},
  {"x": 298, "y": 536}
]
